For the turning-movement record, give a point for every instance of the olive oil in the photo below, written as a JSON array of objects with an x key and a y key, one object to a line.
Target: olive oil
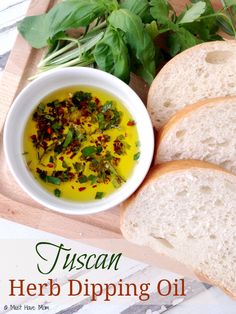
[{"x": 81, "y": 143}]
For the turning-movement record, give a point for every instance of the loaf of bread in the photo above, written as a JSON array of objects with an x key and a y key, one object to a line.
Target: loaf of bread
[
  {"x": 205, "y": 131},
  {"x": 187, "y": 211},
  {"x": 204, "y": 71}
]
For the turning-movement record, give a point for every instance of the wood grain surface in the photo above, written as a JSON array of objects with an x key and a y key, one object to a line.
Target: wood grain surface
[{"x": 15, "y": 204}]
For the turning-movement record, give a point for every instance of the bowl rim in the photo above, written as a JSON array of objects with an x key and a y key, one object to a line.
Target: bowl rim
[{"x": 94, "y": 208}]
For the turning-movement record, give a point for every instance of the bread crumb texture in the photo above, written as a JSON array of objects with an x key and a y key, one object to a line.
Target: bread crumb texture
[
  {"x": 207, "y": 132},
  {"x": 204, "y": 71},
  {"x": 189, "y": 215}
]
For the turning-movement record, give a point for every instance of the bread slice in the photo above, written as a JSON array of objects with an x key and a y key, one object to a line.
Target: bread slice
[
  {"x": 205, "y": 131},
  {"x": 187, "y": 211},
  {"x": 204, "y": 71}
]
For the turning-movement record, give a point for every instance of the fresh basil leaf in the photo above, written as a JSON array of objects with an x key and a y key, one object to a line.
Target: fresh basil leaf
[
  {"x": 160, "y": 10},
  {"x": 163, "y": 13},
  {"x": 152, "y": 29},
  {"x": 228, "y": 3},
  {"x": 139, "y": 7},
  {"x": 69, "y": 137},
  {"x": 181, "y": 41},
  {"x": 111, "y": 54},
  {"x": 110, "y": 5},
  {"x": 192, "y": 14},
  {"x": 205, "y": 29},
  {"x": 37, "y": 30},
  {"x": 138, "y": 39}
]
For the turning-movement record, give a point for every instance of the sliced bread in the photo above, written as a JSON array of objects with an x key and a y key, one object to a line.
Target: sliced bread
[
  {"x": 205, "y": 131},
  {"x": 187, "y": 211},
  {"x": 204, "y": 71}
]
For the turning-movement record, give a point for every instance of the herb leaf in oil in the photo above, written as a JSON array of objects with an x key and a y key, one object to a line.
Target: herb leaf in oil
[
  {"x": 53, "y": 180},
  {"x": 57, "y": 193},
  {"x": 89, "y": 151},
  {"x": 69, "y": 138},
  {"x": 99, "y": 195}
]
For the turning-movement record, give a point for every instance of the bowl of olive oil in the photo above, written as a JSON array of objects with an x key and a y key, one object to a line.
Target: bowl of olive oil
[{"x": 84, "y": 140}]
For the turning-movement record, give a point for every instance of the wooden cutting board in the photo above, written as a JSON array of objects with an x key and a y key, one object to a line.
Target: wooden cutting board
[{"x": 15, "y": 204}]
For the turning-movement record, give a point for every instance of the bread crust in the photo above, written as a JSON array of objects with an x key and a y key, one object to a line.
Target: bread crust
[
  {"x": 204, "y": 278},
  {"x": 183, "y": 114},
  {"x": 207, "y": 46}
]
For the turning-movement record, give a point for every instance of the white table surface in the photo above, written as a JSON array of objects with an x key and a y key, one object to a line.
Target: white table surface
[{"x": 212, "y": 301}]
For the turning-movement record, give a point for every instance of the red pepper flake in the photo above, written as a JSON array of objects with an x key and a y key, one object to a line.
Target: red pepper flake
[
  {"x": 45, "y": 145},
  {"x": 83, "y": 103},
  {"x": 34, "y": 137},
  {"x": 72, "y": 187},
  {"x": 82, "y": 189},
  {"x": 60, "y": 111},
  {"x": 61, "y": 158},
  {"x": 49, "y": 131},
  {"x": 97, "y": 101},
  {"x": 131, "y": 123},
  {"x": 89, "y": 125},
  {"x": 50, "y": 165},
  {"x": 94, "y": 186},
  {"x": 72, "y": 156}
]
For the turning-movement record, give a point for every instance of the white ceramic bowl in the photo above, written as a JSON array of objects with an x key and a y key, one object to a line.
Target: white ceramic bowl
[{"x": 28, "y": 100}]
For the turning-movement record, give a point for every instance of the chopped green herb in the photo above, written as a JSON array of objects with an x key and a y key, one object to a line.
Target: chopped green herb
[
  {"x": 69, "y": 138},
  {"x": 73, "y": 140},
  {"x": 41, "y": 108},
  {"x": 89, "y": 151},
  {"x": 56, "y": 126},
  {"x": 53, "y": 180},
  {"x": 101, "y": 121},
  {"x": 83, "y": 179},
  {"x": 78, "y": 166},
  {"x": 116, "y": 183},
  {"x": 57, "y": 193},
  {"x": 64, "y": 164},
  {"x": 80, "y": 136},
  {"x": 48, "y": 117},
  {"x": 92, "y": 178},
  {"x": 107, "y": 106},
  {"x": 99, "y": 195},
  {"x": 137, "y": 156},
  {"x": 99, "y": 149}
]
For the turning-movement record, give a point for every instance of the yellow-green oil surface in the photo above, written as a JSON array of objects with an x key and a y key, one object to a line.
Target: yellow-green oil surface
[{"x": 75, "y": 190}]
